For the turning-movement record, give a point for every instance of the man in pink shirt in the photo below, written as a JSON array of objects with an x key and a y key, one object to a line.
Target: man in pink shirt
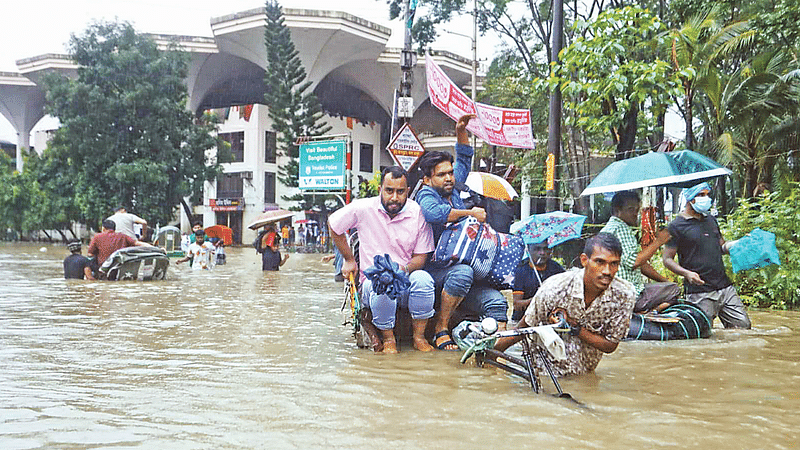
[{"x": 390, "y": 224}]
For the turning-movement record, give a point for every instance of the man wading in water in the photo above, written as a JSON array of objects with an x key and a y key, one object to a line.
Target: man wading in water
[{"x": 597, "y": 307}]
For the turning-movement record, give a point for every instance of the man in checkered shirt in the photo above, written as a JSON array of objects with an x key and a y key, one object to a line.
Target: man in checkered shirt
[{"x": 634, "y": 265}]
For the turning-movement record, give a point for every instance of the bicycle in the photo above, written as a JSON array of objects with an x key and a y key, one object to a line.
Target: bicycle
[{"x": 484, "y": 336}]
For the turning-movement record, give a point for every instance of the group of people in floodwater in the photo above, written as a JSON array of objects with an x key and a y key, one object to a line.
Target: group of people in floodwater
[
  {"x": 117, "y": 232},
  {"x": 596, "y": 300}
]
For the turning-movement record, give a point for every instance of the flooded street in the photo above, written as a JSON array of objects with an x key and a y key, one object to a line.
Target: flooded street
[{"x": 239, "y": 358}]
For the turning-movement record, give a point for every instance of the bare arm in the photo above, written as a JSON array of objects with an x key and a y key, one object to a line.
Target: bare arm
[
  {"x": 671, "y": 264},
  {"x": 417, "y": 262},
  {"x": 595, "y": 340},
  {"x": 349, "y": 266},
  {"x": 662, "y": 237},
  {"x": 462, "y": 137},
  {"x": 652, "y": 273},
  {"x": 478, "y": 213}
]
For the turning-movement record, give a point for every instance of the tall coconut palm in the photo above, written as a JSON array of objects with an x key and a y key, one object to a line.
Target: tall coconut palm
[
  {"x": 748, "y": 115},
  {"x": 697, "y": 49}
]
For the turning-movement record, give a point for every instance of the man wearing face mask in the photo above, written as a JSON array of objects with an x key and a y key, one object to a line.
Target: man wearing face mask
[{"x": 698, "y": 243}]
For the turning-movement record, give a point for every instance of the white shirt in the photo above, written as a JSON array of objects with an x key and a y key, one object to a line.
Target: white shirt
[
  {"x": 124, "y": 222},
  {"x": 202, "y": 255}
]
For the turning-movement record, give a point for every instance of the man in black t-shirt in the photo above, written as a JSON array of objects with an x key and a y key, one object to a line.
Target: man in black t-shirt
[
  {"x": 698, "y": 243},
  {"x": 76, "y": 265},
  {"x": 530, "y": 274}
]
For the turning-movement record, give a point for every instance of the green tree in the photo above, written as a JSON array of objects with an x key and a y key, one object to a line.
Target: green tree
[
  {"x": 295, "y": 111},
  {"x": 613, "y": 80},
  {"x": 19, "y": 196},
  {"x": 697, "y": 48},
  {"x": 750, "y": 113},
  {"x": 126, "y": 136}
]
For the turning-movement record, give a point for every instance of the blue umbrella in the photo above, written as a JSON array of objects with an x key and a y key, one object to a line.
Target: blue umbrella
[
  {"x": 683, "y": 168},
  {"x": 554, "y": 227}
]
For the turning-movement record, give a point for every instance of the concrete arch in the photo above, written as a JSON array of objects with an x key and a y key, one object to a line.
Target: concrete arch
[{"x": 223, "y": 80}]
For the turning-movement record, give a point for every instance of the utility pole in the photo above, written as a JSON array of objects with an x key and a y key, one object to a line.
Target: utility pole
[
  {"x": 405, "y": 103},
  {"x": 475, "y": 161},
  {"x": 554, "y": 123}
]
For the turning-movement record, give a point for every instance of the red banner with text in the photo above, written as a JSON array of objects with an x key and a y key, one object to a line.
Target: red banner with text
[{"x": 498, "y": 126}]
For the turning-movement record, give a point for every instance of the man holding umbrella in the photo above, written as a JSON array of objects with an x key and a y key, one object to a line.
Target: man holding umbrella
[{"x": 699, "y": 245}]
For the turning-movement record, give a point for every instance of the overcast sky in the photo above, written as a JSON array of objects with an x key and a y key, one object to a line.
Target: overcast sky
[{"x": 36, "y": 27}]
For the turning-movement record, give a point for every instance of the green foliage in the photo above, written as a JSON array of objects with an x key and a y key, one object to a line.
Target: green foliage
[
  {"x": 779, "y": 212},
  {"x": 294, "y": 112},
  {"x": 20, "y": 198},
  {"x": 613, "y": 77},
  {"x": 126, "y": 136},
  {"x": 371, "y": 187}
]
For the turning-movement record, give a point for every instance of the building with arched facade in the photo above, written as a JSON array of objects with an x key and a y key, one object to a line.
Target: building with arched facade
[{"x": 352, "y": 71}]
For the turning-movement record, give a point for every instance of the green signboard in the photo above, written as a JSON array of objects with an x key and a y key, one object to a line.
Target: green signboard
[{"x": 323, "y": 165}]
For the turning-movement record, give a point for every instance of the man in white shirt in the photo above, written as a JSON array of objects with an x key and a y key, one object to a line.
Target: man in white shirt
[
  {"x": 200, "y": 253},
  {"x": 125, "y": 221}
]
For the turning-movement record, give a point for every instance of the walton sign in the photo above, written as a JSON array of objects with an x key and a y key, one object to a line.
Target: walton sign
[{"x": 323, "y": 165}]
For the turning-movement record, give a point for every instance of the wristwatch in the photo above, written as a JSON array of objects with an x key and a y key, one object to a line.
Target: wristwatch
[{"x": 575, "y": 330}]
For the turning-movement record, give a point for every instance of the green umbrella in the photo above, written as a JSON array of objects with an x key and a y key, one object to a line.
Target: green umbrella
[{"x": 683, "y": 168}]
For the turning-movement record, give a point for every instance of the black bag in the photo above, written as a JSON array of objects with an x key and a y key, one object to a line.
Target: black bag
[{"x": 257, "y": 243}]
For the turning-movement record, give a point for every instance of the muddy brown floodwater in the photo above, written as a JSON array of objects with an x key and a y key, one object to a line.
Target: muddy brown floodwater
[{"x": 236, "y": 359}]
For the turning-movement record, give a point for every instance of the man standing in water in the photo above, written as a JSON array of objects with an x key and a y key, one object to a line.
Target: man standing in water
[
  {"x": 76, "y": 265},
  {"x": 596, "y": 305},
  {"x": 697, "y": 241},
  {"x": 200, "y": 253},
  {"x": 271, "y": 259},
  {"x": 389, "y": 224}
]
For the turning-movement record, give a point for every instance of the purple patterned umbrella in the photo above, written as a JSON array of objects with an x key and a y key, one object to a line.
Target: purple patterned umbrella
[{"x": 555, "y": 227}]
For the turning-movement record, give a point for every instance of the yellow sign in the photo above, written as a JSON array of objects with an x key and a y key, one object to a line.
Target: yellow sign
[{"x": 551, "y": 172}]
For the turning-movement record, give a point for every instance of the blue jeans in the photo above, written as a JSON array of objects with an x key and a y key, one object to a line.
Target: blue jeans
[
  {"x": 483, "y": 301},
  {"x": 455, "y": 280},
  {"x": 480, "y": 301},
  {"x": 418, "y": 299}
]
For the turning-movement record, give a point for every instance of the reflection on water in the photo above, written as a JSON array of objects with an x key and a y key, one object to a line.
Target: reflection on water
[{"x": 238, "y": 358}]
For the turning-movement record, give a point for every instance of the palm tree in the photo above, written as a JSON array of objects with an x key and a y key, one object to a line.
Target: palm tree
[
  {"x": 751, "y": 114},
  {"x": 697, "y": 49}
]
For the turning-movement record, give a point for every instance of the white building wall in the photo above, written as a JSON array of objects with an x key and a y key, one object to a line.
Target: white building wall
[{"x": 254, "y": 156}]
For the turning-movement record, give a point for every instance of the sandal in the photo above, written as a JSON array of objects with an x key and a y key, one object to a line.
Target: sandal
[{"x": 445, "y": 344}]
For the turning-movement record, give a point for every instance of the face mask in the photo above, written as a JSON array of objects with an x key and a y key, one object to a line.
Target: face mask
[{"x": 702, "y": 205}]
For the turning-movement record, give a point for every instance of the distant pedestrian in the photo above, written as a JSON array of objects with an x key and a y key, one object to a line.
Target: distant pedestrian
[{"x": 285, "y": 236}]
